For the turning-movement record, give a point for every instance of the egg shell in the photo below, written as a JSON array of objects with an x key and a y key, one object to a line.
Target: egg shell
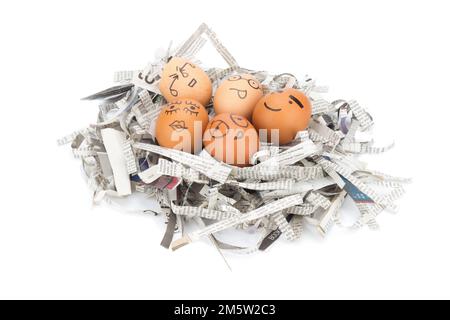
[
  {"x": 180, "y": 125},
  {"x": 231, "y": 138},
  {"x": 238, "y": 94},
  {"x": 181, "y": 79},
  {"x": 288, "y": 112}
]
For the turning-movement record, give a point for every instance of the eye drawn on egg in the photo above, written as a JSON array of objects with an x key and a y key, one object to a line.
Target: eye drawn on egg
[
  {"x": 234, "y": 78},
  {"x": 172, "y": 109},
  {"x": 192, "y": 109},
  {"x": 255, "y": 85},
  {"x": 239, "y": 121},
  {"x": 251, "y": 82},
  {"x": 216, "y": 129},
  {"x": 271, "y": 108}
]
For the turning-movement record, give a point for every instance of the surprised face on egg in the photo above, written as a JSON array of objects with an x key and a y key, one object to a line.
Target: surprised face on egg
[{"x": 238, "y": 94}]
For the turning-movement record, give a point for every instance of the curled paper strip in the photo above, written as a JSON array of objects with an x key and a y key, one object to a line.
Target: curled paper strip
[{"x": 285, "y": 188}]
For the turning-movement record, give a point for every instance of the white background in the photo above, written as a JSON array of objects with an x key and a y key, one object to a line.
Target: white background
[{"x": 392, "y": 56}]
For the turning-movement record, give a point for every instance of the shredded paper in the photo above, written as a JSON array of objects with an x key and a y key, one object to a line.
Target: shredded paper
[{"x": 286, "y": 187}]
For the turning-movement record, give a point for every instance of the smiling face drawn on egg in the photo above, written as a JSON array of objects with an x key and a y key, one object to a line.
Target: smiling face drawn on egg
[
  {"x": 292, "y": 99},
  {"x": 183, "y": 79},
  {"x": 181, "y": 124},
  {"x": 231, "y": 138},
  {"x": 238, "y": 94},
  {"x": 288, "y": 112}
]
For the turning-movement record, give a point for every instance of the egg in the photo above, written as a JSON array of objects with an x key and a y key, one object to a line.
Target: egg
[
  {"x": 180, "y": 125},
  {"x": 181, "y": 79},
  {"x": 231, "y": 138},
  {"x": 238, "y": 94},
  {"x": 287, "y": 112}
]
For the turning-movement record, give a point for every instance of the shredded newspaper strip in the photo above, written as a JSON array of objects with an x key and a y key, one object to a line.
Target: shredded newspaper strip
[{"x": 285, "y": 189}]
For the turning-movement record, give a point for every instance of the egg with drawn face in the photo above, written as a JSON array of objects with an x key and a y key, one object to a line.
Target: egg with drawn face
[
  {"x": 238, "y": 94},
  {"x": 180, "y": 125},
  {"x": 231, "y": 138},
  {"x": 287, "y": 112},
  {"x": 181, "y": 79}
]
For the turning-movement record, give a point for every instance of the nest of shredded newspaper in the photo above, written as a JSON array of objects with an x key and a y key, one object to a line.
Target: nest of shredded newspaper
[{"x": 286, "y": 188}]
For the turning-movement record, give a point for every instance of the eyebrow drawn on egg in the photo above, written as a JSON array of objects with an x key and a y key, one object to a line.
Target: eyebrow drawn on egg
[
  {"x": 232, "y": 116},
  {"x": 191, "y": 103},
  {"x": 298, "y": 102}
]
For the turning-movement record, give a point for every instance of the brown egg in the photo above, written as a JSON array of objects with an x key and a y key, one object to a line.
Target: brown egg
[
  {"x": 181, "y": 124},
  {"x": 182, "y": 79},
  {"x": 288, "y": 112},
  {"x": 238, "y": 94},
  {"x": 231, "y": 138}
]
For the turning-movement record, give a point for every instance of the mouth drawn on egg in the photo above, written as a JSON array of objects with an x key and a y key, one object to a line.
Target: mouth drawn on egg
[
  {"x": 192, "y": 83},
  {"x": 241, "y": 93},
  {"x": 271, "y": 108},
  {"x": 178, "y": 125}
]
